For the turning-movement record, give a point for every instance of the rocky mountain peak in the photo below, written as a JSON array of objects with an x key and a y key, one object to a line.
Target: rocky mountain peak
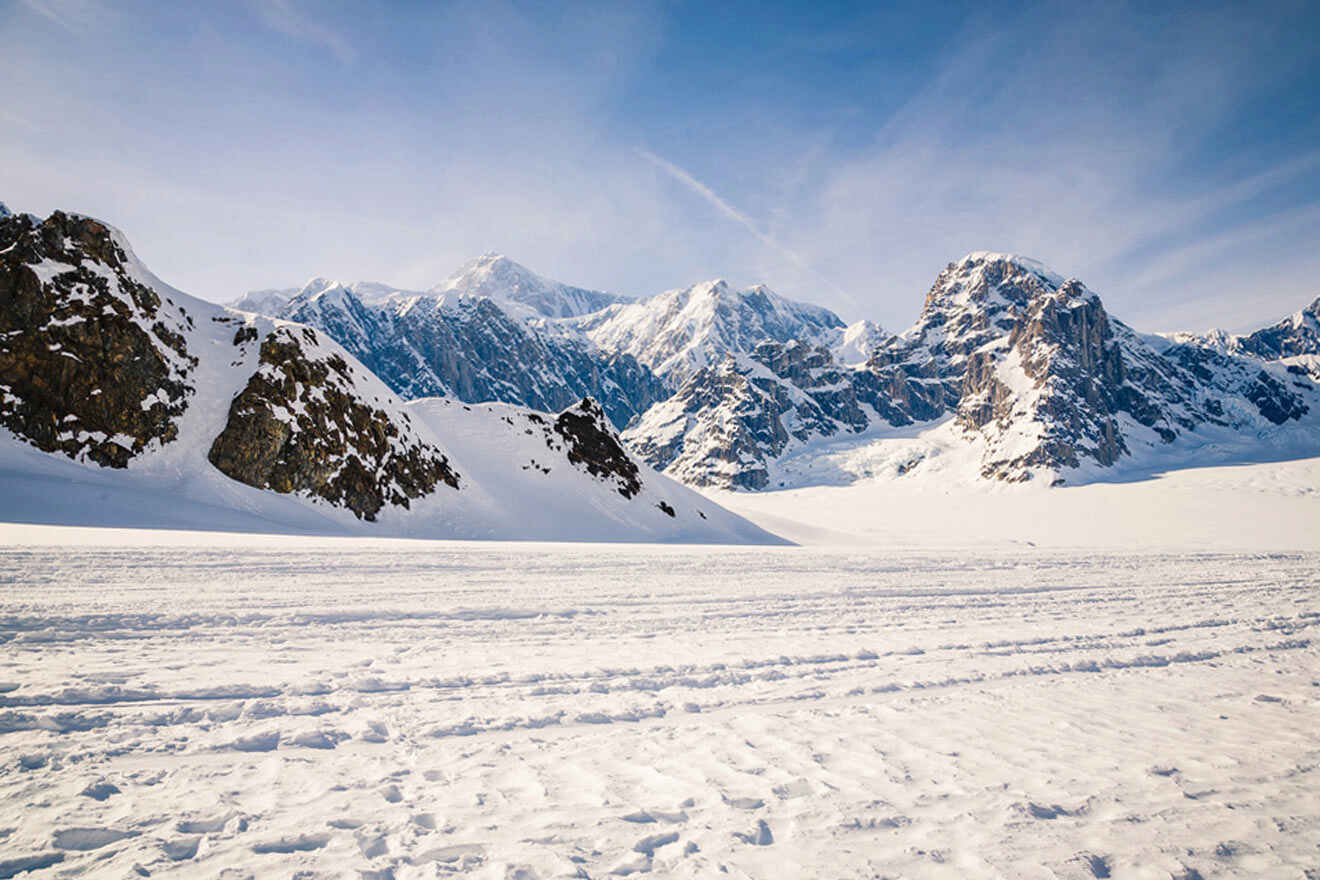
[
  {"x": 317, "y": 286},
  {"x": 990, "y": 280},
  {"x": 1297, "y": 334},
  {"x": 4, "y": 211}
]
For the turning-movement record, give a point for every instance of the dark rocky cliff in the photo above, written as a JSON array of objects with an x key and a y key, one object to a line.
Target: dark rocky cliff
[
  {"x": 300, "y": 425},
  {"x": 92, "y": 363}
]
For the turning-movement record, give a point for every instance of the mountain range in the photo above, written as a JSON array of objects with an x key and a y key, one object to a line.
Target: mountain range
[
  {"x": 446, "y": 410},
  {"x": 1011, "y": 370}
]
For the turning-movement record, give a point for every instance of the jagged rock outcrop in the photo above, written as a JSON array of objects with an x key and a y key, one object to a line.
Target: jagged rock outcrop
[
  {"x": 301, "y": 425},
  {"x": 1298, "y": 334},
  {"x": 728, "y": 423},
  {"x": 591, "y": 444},
  {"x": 93, "y": 364}
]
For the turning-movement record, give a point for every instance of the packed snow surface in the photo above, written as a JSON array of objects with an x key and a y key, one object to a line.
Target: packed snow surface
[{"x": 227, "y": 705}]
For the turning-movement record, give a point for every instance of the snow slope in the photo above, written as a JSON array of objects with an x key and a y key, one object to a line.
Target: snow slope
[
  {"x": 874, "y": 494},
  {"x": 503, "y": 494}
]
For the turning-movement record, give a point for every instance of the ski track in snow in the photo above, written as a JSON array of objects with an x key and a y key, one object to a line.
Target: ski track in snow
[{"x": 346, "y": 708}]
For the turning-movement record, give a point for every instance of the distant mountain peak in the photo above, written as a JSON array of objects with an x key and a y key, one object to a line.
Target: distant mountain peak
[
  {"x": 679, "y": 332},
  {"x": 316, "y": 286},
  {"x": 498, "y": 277}
]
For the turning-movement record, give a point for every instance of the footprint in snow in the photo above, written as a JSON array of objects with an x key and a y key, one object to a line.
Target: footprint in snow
[
  {"x": 298, "y": 843},
  {"x": 258, "y": 742},
  {"x": 203, "y": 826},
  {"x": 23, "y": 864},
  {"x": 100, "y": 791},
  {"x": 651, "y": 843},
  {"x": 760, "y": 837},
  {"x": 181, "y": 850},
  {"x": 83, "y": 839}
]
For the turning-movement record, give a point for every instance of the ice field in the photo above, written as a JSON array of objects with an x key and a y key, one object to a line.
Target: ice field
[{"x": 194, "y": 705}]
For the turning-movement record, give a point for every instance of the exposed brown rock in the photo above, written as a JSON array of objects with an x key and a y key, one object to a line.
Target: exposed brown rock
[{"x": 298, "y": 426}]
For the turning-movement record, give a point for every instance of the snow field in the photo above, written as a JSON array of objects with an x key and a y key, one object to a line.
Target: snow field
[{"x": 202, "y": 706}]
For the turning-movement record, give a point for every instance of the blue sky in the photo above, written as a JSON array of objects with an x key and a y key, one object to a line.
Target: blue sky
[{"x": 841, "y": 153}]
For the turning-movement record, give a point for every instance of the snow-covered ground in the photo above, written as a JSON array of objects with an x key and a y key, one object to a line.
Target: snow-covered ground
[{"x": 222, "y": 705}]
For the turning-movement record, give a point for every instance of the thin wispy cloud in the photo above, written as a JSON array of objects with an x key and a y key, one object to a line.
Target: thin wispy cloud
[
  {"x": 728, "y": 210},
  {"x": 73, "y": 15},
  {"x": 291, "y": 19}
]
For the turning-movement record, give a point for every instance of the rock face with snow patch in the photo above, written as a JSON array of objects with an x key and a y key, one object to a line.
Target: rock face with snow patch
[
  {"x": 1298, "y": 334},
  {"x": 728, "y": 422},
  {"x": 93, "y": 363},
  {"x": 301, "y": 425},
  {"x": 591, "y": 444}
]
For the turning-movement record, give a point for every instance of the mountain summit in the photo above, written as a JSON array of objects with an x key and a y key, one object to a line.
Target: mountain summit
[
  {"x": 678, "y": 332},
  {"x": 496, "y": 276}
]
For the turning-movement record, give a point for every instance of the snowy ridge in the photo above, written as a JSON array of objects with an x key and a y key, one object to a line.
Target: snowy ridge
[
  {"x": 679, "y": 332},
  {"x": 496, "y": 276}
]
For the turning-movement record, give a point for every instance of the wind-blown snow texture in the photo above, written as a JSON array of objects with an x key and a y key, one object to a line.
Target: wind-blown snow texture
[{"x": 296, "y": 707}]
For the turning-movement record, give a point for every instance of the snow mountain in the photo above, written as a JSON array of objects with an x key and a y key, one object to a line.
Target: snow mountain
[
  {"x": 495, "y": 276},
  {"x": 125, "y": 401},
  {"x": 1028, "y": 367},
  {"x": 679, "y": 332}
]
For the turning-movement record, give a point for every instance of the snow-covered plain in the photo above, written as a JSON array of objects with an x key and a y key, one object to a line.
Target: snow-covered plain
[
  {"x": 1243, "y": 506},
  {"x": 224, "y": 705}
]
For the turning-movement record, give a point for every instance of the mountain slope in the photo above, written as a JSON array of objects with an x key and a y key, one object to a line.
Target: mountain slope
[{"x": 127, "y": 402}]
